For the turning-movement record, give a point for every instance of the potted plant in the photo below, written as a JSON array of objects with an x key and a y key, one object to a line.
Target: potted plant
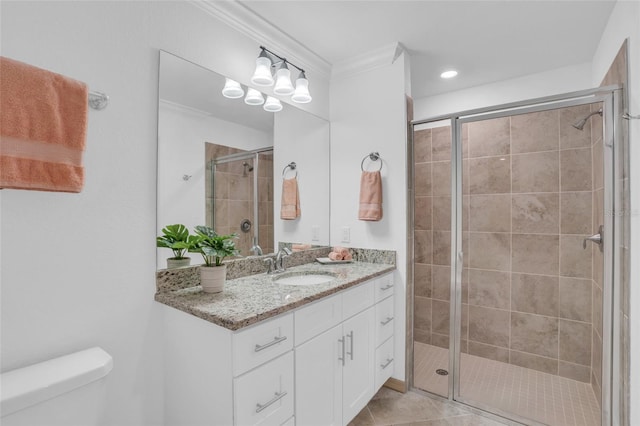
[
  {"x": 213, "y": 248},
  {"x": 176, "y": 237}
]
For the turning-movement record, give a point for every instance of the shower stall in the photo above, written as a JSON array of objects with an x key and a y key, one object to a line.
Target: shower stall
[
  {"x": 240, "y": 196},
  {"x": 514, "y": 244}
]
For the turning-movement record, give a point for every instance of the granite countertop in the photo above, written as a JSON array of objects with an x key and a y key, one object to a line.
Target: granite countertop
[{"x": 251, "y": 299}]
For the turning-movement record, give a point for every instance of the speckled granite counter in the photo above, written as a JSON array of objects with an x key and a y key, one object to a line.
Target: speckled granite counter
[{"x": 248, "y": 300}]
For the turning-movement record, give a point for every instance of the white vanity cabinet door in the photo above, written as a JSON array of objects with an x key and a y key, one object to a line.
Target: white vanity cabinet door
[
  {"x": 264, "y": 396},
  {"x": 319, "y": 380},
  {"x": 261, "y": 343},
  {"x": 384, "y": 287},
  {"x": 290, "y": 422},
  {"x": 318, "y": 317},
  {"x": 358, "y": 372},
  {"x": 384, "y": 320},
  {"x": 384, "y": 363}
]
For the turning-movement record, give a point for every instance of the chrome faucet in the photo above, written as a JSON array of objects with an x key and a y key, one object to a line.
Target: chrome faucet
[
  {"x": 276, "y": 266},
  {"x": 282, "y": 253},
  {"x": 256, "y": 249}
]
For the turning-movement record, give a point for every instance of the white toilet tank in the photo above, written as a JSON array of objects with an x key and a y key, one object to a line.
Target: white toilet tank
[{"x": 65, "y": 391}]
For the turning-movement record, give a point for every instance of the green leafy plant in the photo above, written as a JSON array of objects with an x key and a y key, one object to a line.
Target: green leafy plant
[
  {"x": 213, "y": 247},
  {"x": 176, "y": 237}
]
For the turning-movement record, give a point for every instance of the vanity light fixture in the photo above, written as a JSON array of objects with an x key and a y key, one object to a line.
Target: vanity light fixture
[
  {"x": 272, "y": 104},
  {"x": 262, "y": 75},
  {"x": 449, "y": 74},
  {"x": 266, "y": 63},
  {"x": 253, "y": 97},
  {"x": 301, "y": 95},
  {"x": 232, "y": 89}
]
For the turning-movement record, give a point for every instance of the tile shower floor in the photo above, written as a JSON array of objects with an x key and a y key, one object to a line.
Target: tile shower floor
[{"x": 543, "y": 397}]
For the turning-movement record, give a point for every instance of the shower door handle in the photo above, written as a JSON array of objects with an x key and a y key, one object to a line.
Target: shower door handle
[{"x": 596, "y": 239}]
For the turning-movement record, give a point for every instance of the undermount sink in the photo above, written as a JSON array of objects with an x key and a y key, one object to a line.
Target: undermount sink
[{"x": 302, "y": 279}]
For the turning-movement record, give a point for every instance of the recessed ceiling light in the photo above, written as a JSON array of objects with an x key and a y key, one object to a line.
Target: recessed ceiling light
[{"x": 449, "y": 74}]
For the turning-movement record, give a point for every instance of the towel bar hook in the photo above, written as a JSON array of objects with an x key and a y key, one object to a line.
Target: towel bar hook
[
  {"x": 98, "y": 100},
  {"x": 293, "y": 166},
  {"x": 373, "y": 156}
]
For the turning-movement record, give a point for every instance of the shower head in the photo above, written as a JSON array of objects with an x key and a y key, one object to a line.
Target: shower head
[
  {"x": 582, "y": 122},
  {"x": 247, "y": 168}
]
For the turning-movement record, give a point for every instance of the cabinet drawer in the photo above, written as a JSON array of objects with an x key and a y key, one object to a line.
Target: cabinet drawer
[
  {"x": 319, "y": 317},
  {"x": 262, "y": 343},
  {"x": 357, "y": 299},
  {"x": 384, "y": 362},
  {"x": 384, "y": 286},
  {"x": 384, "y": 320},
  {"x": 264, "y": 396},
  {"x": 290, "y": 422}
]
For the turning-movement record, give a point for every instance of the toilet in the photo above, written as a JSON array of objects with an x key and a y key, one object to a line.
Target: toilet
[{"x": 69, "y": 390}]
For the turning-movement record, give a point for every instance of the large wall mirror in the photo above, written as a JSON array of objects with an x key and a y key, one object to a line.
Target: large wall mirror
[{"x": 221, "y": 163}]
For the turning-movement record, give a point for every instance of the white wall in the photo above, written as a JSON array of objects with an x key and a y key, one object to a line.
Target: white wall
[
  {"x": 553, "y": 82},
  {"x": 182, "y": 133},
  {"x": 304, "y": 139},
  {"x": 624, "y": 22},
  {"x": 369, "y": 116},
  {"x": 79, "y": 269}
]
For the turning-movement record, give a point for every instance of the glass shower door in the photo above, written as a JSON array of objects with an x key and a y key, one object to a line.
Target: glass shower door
[{"x": 529, "y": 286}]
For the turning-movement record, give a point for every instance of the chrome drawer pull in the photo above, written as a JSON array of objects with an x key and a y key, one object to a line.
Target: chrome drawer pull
[
  {"x": 386, "y": 364},
  {"x": 275, "y": 341},
  {"x": 343, "y": 349},
  {"x": 387, "y": 321},
  {"x": 278, "y": 397},
  {"x": 388, "y": 286},
  {"x": 351, "y": 340}
]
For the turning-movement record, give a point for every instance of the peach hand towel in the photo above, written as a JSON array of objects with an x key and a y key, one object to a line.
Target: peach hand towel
[
  {"x": 43, "y": 128},
  {"x": 370, "y": 196},
  {"x": 300, "y": 247},
  {"x": 290, "y": 206},
  {"x": 341, "y": 250},
  {"x": 335, "y": 256}
]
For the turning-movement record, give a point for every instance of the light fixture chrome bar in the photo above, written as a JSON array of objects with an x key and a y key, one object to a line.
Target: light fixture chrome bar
[{"x": 282, "y": 59}]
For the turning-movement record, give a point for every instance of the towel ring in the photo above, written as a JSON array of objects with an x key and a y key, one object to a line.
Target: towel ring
[
  {"x": 374, "y": 156},
  {"x": 293, "y": 166}
]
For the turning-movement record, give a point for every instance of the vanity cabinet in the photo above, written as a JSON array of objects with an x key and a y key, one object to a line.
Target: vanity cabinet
[{"x": 317, "y": 365}]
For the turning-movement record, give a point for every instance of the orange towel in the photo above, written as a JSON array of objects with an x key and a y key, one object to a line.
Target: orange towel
[
  {"x": 341, "y": 251},
  {"x": 290, "y": 206},
  {"x": 335, "y": 256},
  {"x": 347, "y": 257},
  {"x": 370, "y": 196},
  {"x": 43, "y": 128}
]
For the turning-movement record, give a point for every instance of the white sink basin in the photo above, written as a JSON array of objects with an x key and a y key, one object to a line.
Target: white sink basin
[{"x": 304, "y": 279}]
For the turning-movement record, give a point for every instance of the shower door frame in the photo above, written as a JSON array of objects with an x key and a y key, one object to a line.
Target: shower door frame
[
  {"x": 612, "y": 98},
  {"x": 255, "y": 156}
]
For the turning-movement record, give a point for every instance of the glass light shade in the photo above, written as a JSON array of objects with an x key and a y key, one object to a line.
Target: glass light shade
[
  {"x": 272, "y": 104},
  {"x": 283, "y": 81},
  {"x": 232, "y": 89},
  {"x": 253, "y": 97},
  {"x": 301, "y": 94},
  {"x": 262, "y": 75}
]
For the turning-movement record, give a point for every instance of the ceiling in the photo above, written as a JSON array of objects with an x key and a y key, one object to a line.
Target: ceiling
[{"x": 485, "y": 41}]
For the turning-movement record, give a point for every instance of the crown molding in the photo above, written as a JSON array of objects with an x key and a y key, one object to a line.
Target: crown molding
[
  {"x": 367, "y": 61},
  {"x": 246, "y": 21}
]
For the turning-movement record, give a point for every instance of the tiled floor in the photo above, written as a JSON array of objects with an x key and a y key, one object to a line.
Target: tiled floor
[
  {"x": 543, "y": 397},
  {"x": 389, "y": 407}
]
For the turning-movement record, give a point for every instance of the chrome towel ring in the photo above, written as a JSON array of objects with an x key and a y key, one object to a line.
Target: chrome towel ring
[
  {"x": 374, "y": 156},
  {"x": 293, "y": 166}
]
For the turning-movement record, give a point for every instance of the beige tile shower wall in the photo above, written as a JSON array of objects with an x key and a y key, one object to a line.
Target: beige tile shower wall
[
  {"x": 527, "y": 282},
  {"x": 233, "y": 195}
]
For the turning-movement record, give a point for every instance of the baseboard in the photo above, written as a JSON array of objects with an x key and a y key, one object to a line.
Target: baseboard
[{"x": 396, "y": 385}]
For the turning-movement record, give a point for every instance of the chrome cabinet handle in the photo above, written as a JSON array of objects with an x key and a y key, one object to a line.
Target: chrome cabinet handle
[
  {"x": 596, "y": 238},
  {"x": 387, "y": 321},
  {"x": 341, "y": 340},
  {"x": 351, "y": 341},
  {"x": 275, "y": 341},
  {"x": 387, "y": 287},
  {"x": 386, "y": 364},
  {"x": 278, "y": 397}
]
